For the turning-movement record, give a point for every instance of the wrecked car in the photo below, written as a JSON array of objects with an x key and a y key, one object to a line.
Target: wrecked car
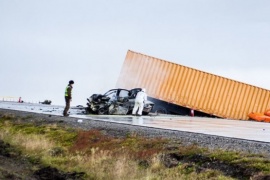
[{"x": 116, "y": 101}]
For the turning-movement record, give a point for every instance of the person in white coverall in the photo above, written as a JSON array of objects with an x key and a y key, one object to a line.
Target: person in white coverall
[{"x": 140, "y": 99}]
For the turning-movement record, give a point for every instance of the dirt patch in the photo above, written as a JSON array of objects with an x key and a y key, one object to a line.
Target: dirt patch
[
  {"x": 202, "y": 163},
  {"x": 14, "y": 166},
  {"x": 55, "y": 174}
]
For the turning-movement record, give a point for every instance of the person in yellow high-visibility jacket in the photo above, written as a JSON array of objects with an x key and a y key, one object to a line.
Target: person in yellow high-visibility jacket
[{"x": 68, "y": 97}]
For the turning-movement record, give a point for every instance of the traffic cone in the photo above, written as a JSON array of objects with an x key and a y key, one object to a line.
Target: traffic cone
[{"x": 192, "y": 112}]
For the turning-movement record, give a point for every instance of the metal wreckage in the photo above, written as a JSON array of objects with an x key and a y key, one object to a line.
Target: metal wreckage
[{"x": 116, "y": 102}]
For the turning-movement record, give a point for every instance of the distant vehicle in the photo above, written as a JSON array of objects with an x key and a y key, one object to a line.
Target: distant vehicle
[
  {"x": 116, "y": 101},
  {"x": 46, "y": 102}
]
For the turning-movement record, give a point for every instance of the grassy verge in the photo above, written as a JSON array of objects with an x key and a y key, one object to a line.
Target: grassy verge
[{"x": 133, "y": 157}]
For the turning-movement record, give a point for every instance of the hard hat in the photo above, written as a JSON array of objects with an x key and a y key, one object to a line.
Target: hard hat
[{"x": 71, "y": 82}]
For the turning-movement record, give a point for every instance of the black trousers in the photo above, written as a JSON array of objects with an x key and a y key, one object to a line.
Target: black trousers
[{"x": 67, "y": 99}]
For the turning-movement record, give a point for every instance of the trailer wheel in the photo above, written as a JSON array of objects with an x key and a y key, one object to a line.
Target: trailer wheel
[{"x": 161, "y": 110}]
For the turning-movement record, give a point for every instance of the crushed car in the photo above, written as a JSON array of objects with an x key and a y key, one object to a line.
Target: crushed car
[{"x": 116, "y": 101}]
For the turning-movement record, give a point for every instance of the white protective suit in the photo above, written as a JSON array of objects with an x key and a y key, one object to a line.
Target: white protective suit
[{"x": 141, "y": 97}]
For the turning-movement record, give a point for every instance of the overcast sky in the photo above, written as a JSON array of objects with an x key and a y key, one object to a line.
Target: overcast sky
[{"x": 44, "y": 44}]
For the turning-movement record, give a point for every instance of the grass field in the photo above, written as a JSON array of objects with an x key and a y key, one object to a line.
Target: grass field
[{"x": 94, "y": 155}]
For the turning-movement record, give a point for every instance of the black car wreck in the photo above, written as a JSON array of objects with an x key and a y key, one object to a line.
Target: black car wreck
[{"x": 116, "y": 101}]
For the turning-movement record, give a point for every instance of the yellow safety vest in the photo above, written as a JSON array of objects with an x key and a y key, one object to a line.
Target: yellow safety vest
[{"x": 66, "y": 91}]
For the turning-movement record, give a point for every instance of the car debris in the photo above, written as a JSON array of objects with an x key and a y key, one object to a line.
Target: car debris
[
  {"x": 79, "y": 120},
  {"x": 116, "y": 101},
  {"x": 46, "y": 102}
]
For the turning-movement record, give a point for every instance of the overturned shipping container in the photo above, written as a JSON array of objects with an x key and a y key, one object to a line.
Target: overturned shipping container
[{"x": 177, "y": 87}]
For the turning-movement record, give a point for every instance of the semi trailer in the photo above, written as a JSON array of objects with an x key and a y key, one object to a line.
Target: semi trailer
[{"x": 178, "y": 89}]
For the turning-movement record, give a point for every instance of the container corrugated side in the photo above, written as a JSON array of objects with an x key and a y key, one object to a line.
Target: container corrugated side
[{"x": 192, "y": 88}]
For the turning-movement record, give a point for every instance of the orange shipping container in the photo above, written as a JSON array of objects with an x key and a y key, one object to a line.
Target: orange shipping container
[{"x": 191, "y": 88}]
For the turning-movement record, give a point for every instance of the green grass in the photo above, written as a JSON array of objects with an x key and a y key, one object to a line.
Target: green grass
[{"x": 132, "y": 157}]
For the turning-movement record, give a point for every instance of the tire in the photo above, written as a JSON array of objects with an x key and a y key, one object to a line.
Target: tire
[
  {"x": 102, "y": 111},
  {"x": 145, "y": 113},
  {"x": 161, "y": 110}
]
